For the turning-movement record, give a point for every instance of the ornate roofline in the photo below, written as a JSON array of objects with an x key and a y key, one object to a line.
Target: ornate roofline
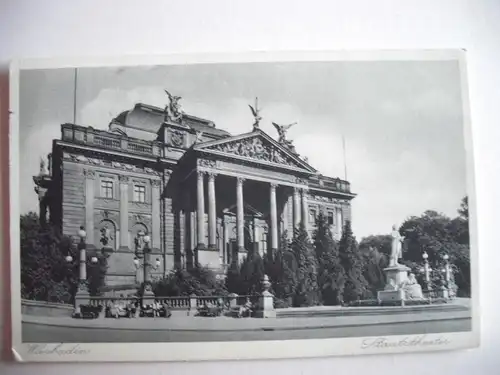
[{"x": 305, "y": 167}]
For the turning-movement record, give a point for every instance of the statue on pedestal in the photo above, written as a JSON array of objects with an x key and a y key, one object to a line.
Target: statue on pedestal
[
  {"x": 396, "y": 249},
  {"x": 282, "y": 129}
]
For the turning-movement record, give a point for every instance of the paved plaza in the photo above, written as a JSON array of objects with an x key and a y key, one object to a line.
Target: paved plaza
[{"x": 188, "y": 329}]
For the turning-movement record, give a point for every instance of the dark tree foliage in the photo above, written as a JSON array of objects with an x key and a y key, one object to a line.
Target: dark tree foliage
[
  {"x": 199, "y": 281},
  {"x": 352, "y": 262},
  {"x": 381, "y": 243},
  {"x": 45, "y": 273},
  {"x": 437, "y": 235},
  {"x": 331, "y": 274},
  {"x": 306, "y": 290},
  {"x": 251, "y": 273},
  {"x": 281, "y": 268},
  {"x": 374, "y": 264}
]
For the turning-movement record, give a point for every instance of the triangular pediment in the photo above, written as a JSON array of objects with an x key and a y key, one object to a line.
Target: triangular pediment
[{"x": 256, "y": 147}]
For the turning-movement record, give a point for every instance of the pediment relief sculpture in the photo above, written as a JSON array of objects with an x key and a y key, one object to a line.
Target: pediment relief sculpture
[{"x": 255, "y": 148}]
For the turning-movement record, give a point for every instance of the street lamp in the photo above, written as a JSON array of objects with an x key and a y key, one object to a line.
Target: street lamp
[
  {"x": 142, "y": 249},
  {"x": 82, "y": 293},
  {"x": 426, "y": 270}
]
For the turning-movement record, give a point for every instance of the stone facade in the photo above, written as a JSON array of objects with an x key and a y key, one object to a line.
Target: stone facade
[{"x": 201, "y": 194}]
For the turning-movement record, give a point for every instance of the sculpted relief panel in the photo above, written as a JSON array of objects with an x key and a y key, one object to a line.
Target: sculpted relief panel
[{"x": 255, "y": 148}]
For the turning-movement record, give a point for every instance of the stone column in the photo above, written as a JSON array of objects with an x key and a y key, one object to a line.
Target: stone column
[
  {"x": 296, "y": 208},
  {"x": 155, "y": 215},
  {"x": 225, "y": 257},
  {"x": 274, "y": 219},
  {"x": 305, "y": 210},
  {"x": 201, "y": 211},
  {"x": 212, "y": 216},
  {"x": 89, "y": 204},
  {"x": 256, "y": 239},
  {"x": 124, "y": 236},
  {"x": 240, "y": 216},
  {"x": 338, "y": 219}
]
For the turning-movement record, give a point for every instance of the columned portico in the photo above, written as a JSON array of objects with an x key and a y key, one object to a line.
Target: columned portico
[
  {"x": 212, "y": 218},
  {"x": 305, "y": 209},
  {"x": 274, "y": 218},
  {"x": 296, "y": 208},
  {"x": 240, "y": 219},
  {"x": 200, "y": 212}
]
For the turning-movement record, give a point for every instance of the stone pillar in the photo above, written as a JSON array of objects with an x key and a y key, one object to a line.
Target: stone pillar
[
  {"x": 256, "y": 237},
  {"x": 305, "y": 210},
  {"x": 296, "y": 208},
  {"x": 89, "y": 204},
  {"x": 266, "y": 308},
  {"x": 225, "y": 257},
  {"x": 124, "y": 236},
  {"x": 212, "y": 216},
  {"x": 240, "y": 216},
  {"x": 338, "y": 219},
  {"x": 155, "y": 215},
  {"x": 201, "y": 211},
  {"x": 274, "y": 219}
]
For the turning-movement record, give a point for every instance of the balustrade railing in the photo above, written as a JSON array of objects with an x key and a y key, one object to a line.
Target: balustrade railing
[{"x": 90, "y": 136}]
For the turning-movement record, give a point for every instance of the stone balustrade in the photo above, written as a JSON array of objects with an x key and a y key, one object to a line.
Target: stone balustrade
[{"x": 104, "y": 139}]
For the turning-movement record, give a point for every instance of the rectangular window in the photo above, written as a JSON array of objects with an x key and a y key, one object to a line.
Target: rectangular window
[
  {"x": 330, "y": 218},
  {"x": 140, "y": 193},
  {"x": 107, "y": 189}
]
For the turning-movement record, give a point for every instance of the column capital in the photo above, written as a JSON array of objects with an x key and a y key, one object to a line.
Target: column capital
[
  {"x": 124, "y": 179},
  {"x": 200, "y": 174},
  {"x": 211, "y": 176},
  {"x": 273, "y": 185},
  {"x": 156, "y": 183},
  {"x": 89, "y": 173},
  {"x": 240, "y": 180}
]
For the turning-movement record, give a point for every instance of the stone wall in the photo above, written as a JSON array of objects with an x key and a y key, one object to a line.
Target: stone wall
[{"x": 40, "y": 308}]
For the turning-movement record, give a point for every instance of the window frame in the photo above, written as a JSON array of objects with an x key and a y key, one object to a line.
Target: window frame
[
  {"x": 107, "y": 185},
  {"x": 138, "y": 191}
]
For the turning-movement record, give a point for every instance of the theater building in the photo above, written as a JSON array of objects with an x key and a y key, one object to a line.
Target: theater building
[{"x": 198, "y": 192}]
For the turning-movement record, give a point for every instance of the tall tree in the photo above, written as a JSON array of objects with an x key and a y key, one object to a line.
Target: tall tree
[
  {"x": 352, "y": 262},
  {"x": 331, "y": 274},
  {"x": 306, "y": 291}
]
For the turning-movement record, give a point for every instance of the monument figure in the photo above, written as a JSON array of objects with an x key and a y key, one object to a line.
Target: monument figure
[
  {"x": 282, "y": 129},
  {"x": 105, "y": 236},
  {"x": 396, "y": 248},
  {"x": 173, "y": 109},
  {"x": 412, "y": 288},
  {"x": 43, "y": 168},
  {"x": 256, "y": 114}
]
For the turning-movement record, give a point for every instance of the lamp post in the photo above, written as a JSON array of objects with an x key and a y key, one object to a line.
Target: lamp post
[
  {"x": 82, "y": 294},
  {"x": 427, "y": 271},
  {"x": 142, "y": 250}
]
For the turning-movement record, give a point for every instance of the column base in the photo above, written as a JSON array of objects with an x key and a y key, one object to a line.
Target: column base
[
  {"x": 212, "y": 247},
  {"x": 241, "y": 249},
  {"x": 201, "y": 246}
]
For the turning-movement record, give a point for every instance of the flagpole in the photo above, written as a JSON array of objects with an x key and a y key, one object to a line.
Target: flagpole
[
  {"x": 345, "y": 159},
  {"x": 74, "y": 96}
]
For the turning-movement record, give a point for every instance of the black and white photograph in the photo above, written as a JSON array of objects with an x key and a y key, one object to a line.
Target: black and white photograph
[{"x": 325, "y": 204}]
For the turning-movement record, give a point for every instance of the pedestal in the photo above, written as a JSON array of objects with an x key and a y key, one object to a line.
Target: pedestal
[
  {"x": 82, "y": 297},
  {"x": 396, "y": 277},
  {"x": 148, "y": 296},
  {"x": 266, "y": 306}
]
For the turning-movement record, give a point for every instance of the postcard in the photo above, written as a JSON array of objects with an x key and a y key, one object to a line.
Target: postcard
[{"x": 241, "y": 206}]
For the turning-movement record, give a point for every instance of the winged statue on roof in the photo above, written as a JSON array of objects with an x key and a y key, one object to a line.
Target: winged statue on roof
[
  {"x": 282, "y": 130},
  {"x": 174, "y": 109},
  {"x": 256, "y": 114}
]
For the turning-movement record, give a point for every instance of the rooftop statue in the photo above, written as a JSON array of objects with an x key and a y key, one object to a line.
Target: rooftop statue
[
  {"x": 282, "y": 129},
  {"x": 43, "y": 167},
  {"x": 173, "y": 109},
  {"x": 256, "y": 114}
]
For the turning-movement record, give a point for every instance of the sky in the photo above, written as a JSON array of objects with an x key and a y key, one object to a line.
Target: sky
[{"x": 402, "y": 121}]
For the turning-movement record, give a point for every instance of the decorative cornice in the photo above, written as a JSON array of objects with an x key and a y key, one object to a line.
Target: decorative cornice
[{"x": 206, "y": 163}]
